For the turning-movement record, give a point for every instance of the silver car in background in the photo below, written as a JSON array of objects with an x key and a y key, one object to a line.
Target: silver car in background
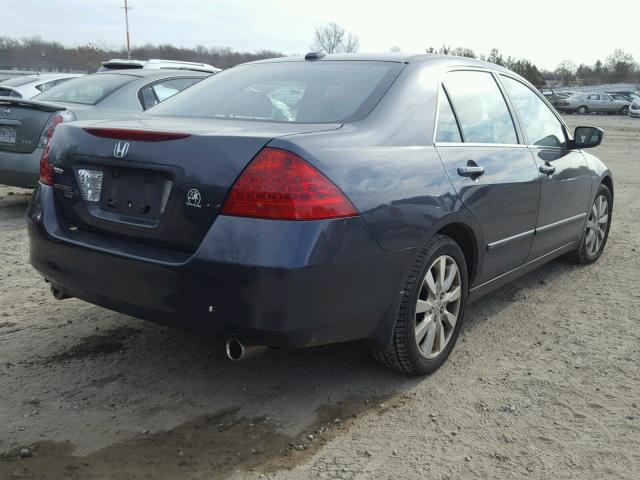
[
  {"x": 634, "y": 109},
  {"x": 29, "y": 86},
  {"x": 27, "y": 125},
  {"x": 584, "y": 103}
]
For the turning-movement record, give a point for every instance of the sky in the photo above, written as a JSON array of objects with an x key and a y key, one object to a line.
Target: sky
[{"x": 543, "y": 31}]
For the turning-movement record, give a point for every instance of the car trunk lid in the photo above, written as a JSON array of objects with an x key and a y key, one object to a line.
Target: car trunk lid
[
  {"x": 22, "y": 123},
  {"x": 162, "y": 180}
]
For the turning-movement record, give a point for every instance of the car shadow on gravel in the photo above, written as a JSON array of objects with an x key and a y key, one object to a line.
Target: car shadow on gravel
[
  {"x": 13, "y": 204},
  {"x": 521, "y": 290}
]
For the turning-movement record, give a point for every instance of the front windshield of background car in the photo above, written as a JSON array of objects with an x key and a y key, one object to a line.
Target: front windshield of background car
[
  {"x": 88, "y": 90},
  {"x": 290, "y": 92}
]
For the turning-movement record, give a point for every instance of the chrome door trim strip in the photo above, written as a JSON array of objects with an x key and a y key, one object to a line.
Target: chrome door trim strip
[
  {"x": 522, "y": 266},
  {"x": 536, "y": 231},
  {"x": 560, "y": 223},
  {"x": 479, "y": 145},
  {"x": 514, "y": 238}
]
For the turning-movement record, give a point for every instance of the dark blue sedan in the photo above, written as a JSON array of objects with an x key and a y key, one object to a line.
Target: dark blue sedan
[{"x": 305, "y": 201}]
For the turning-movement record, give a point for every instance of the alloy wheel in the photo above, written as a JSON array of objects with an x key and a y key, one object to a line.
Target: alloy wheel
[
  {"x": 438, "y": 306},
  {"x": 597, "y": 225}
]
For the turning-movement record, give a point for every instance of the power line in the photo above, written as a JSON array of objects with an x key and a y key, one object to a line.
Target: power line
[{"x": 126, "y": 9}]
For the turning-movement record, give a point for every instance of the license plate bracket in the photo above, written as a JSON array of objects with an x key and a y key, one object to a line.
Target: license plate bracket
[{"x": 135, "y": 193}]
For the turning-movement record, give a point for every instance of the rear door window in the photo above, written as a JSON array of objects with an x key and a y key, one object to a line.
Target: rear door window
[
  {"x": 481, "y": 108},
  {"x": 157, "y": 92},
  {"x": 540, "y": 124},
  {"x": 447, "y": 130},
  {"x": 46, "y": 86}
]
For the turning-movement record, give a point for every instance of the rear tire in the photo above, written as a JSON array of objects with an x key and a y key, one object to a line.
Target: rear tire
[
  {"x": 431, "y": 310},
  {"x": 583, "y": 110},
  {"x": 596, "y": 231}
]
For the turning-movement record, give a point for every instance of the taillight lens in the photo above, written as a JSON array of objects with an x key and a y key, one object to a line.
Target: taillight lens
[
  {"x": 55, "y": 120},
  {"x": 280, "y": 185},
  {"x": 46, "y": 169}
]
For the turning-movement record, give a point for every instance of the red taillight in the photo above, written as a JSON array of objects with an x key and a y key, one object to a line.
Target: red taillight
[
  {"x": 280, "y": 185},
  {"x": 135, "y": 135},
  {"x": 54, "y": 121},
  {"x": 46, "y": 169}
]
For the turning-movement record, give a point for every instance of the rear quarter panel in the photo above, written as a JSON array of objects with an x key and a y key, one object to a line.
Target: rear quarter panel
[{"x": 387, "y": 164}]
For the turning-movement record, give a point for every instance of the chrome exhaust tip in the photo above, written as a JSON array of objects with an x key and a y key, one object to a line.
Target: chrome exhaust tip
[{"x": 237, "y": 351}]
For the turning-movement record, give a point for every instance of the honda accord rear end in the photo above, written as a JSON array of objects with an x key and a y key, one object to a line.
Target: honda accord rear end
[{"x": 215, "y": 215}]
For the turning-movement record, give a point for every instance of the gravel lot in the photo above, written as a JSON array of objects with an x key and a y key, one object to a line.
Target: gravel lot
[{"x": 544, "y": 382}]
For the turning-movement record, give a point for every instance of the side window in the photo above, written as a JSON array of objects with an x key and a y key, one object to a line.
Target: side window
[
  {"x": 447, "y": 130},
  {"x": 148, "y": 97},
  {"x": 155, "y": 93},
  {"x": 169, "y": 88},
  {"x": 46, "y": 86},
  {"x": 481, "y": 108},
  {"x": 538, "y": 121}
]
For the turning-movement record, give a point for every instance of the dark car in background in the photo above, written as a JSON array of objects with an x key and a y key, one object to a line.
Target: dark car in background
[
  {"x": 393, "y": 191},
  {"x": 27, "y": 125}
]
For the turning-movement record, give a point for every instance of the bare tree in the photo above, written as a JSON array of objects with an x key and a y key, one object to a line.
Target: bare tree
[
  {"x": 621, "y": 65},
  {"x": 351, "y": 44},
  {"x": 566, "y": 70},
  {"x": 332, "y": 38}
]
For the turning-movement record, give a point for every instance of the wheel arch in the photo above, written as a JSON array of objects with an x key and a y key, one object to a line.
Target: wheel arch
[
  {"x": 466, "y": 239},
  {"x": 469, "y": 241},
  {"x": 608, "y": 181}
]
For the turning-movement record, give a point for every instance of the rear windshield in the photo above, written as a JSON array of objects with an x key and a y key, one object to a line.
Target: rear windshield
[
  {"x": 88, "y": 90},
  {"x": 292, "y": 92}
]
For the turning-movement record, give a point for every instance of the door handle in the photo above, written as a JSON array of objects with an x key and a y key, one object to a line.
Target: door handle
[
  {"x": 547, "y": 169},
  {"x": 472, "y": 170}
]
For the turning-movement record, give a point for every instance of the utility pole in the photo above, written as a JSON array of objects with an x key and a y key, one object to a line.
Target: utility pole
[{"x": 126, "y": 9}]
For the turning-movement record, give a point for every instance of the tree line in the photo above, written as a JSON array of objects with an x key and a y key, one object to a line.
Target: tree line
[
  {"x": 619, "y": 67},
  {"x": 36, "y": 54}
]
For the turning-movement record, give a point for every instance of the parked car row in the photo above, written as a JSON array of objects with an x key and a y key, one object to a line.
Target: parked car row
[
  {"x": 584, "y": 103},
  {"x": 613, "y": 102},
  {"x": 308, "y": 200},
  {"x": 121, "y": 88}
]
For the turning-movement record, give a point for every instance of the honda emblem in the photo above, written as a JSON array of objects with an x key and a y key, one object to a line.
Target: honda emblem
[{"x": 121, "y": 149}]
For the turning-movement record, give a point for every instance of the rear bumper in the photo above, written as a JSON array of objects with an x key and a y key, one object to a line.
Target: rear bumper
[
  {"x": 267, "y": 282},
  {"x": 20, "y": 169}
]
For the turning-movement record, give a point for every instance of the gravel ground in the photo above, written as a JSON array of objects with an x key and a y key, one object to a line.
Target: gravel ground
[{"x": 543, "y": 384}]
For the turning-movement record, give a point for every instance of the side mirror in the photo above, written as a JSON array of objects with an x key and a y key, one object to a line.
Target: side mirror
[{"x": 587, "y": 137}]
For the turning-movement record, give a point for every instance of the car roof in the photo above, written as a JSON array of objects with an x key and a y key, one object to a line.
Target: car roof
[
  {"x": 24, "y": 80},
  {"x": 144, "y": 72},
  {"x": 157, "y": 64},
  {"x": 435, "y": 59}
]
